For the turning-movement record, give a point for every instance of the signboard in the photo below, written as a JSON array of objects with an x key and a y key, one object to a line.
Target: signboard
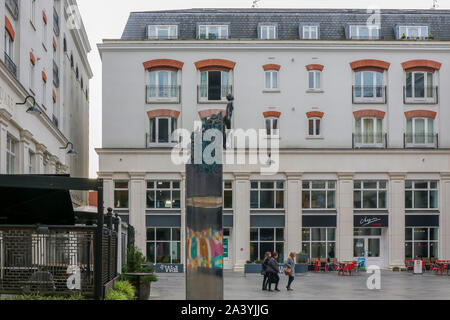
[
  {"x": 167, "y": 268},
  {"x": 418, "y": 267},
  {"x": 371, "y": 221},
  {"x": 225, "y": 247}
]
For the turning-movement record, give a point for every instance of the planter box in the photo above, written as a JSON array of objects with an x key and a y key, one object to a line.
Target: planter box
[{"x": 256, "y": 268}]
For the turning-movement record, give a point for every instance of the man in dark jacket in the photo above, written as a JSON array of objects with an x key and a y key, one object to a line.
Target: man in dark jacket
[
  {"x": 264, "y": 270},
  {"x": 273, "y": 270}
]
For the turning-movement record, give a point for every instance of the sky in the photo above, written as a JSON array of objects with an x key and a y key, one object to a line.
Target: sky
[{"x": 106, "y": 19}]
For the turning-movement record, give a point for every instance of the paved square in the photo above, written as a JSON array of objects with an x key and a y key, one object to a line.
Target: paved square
[{"x": 317, "y": 286}]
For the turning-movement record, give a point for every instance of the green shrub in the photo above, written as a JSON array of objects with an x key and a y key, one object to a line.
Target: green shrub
[
  {"x": 126, "y": 288},
  {"x": 135, "y": 261},
  {"x": 116, "y": 295}
]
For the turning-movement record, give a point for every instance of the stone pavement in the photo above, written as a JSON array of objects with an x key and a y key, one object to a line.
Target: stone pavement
[{"x": 317, "y": 286}]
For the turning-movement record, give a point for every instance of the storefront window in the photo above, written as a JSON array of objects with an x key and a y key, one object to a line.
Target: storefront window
[
  {"x": 228, "y": 195},
  {"x": 421, "y": 195},
  {"x": 267, "y": 195},
  {"x": 421, "y": 243},
  {"x": 370, "y": 195},
  {"x": 121, "y": 194},
  {"x": 319, "y": 195},
  {"x": 319, "y": 242},
  {"x": 264, "y": 240},
  {"x": 163, "y": 245},
  {"x": 163, "y": 195}
]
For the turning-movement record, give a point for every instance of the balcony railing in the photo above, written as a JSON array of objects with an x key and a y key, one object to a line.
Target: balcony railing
[
  {"x": 163, "y": 94},
  {"x": 10, "y": 65},
  {"x": 55, "y": 74},
  {"x": 55, "y": 22},
  {"x": 13, "y": 6},
  {"x": 425, "y": 95},
  {"x": 213, "y": 94},
  {"x": 421, "y": 141},
  {"x": 370, "y": 141},
  {"x": 369, "y": 94}
]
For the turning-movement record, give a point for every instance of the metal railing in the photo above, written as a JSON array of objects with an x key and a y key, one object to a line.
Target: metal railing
[
  {"x": 370, "y": 141},
  {"x": 206, "y": 93},
  {"x": 369, "y": 94},
  {"x": 55, "y": 74},
  {"x": 421, "y": 141},
  {"x": 426, "y": 95},
  {"x": 10, "y": 65},
  {"x": 162, "y": 94},
  {"x": 13, "y": 6},
  {"x": 55, "y": 22}
]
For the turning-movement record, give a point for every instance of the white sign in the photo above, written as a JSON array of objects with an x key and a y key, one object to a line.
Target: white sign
[
  {"x": 418, "y": 267},
  {"x": 74, "y": 280}
]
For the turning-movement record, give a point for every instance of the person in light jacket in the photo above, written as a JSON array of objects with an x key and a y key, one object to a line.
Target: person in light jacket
[
  {"x": 273, "y": 270},
  {"x": 290, "y": 263},
  {"x": 264, "y": 272}
]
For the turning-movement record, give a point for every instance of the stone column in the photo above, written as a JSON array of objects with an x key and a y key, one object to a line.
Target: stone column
[
  {"x": 241, "y": 227},
  {"x": 444, "y": 228},
  {"x": 52, "y": 164},
  {"x": 23, "y": 152},
  {"x": 137, "y": 206},
  {"x": 345, "y": 221},
  {"x": 293, "y": 213},
  {"x": 4, "y": 119},
  {"x": 39, "y": 158},
  {"x": 183, "y": 218},
  {"x": 108, "y": 189},
  {"x": 396, "y": 229}
]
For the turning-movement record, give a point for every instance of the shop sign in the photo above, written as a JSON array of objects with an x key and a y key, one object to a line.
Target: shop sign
[{"x": 371, "y": 221}]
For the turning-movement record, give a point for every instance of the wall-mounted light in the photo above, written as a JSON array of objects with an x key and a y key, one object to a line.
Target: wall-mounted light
[
  {"x": 33, "y": 109},
  {"x": 71, "y": 151}
]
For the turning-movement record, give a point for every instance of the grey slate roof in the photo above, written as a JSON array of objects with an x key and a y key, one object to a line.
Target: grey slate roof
[{"x": 243, "y": 23}]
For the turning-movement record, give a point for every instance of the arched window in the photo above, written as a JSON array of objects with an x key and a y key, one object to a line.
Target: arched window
[
  {"x": 369, "y": 128},
  {"x": 215, "y": 79},
  {"x": 421, "y": 78},
  {"x": 162, "y": 125},
  {"x": 163, "y": 80},
  {"x": 271, "y": 76}
]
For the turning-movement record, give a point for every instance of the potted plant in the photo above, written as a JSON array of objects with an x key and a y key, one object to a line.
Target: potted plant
[
  {"x": 403, "y": 36},
  {"x": 135, "y": 262},
  {"x": 430, "y": 36}
]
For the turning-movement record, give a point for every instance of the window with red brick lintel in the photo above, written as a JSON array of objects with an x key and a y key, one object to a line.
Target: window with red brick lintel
[{"x": 163, "y": 123}]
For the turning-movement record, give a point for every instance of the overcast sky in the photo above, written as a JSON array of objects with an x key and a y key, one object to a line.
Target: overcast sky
[{"x": 105, "y": 19}]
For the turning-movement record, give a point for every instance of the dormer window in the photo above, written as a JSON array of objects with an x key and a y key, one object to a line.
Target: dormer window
[
  {"x": 364, "y": 32},
  {"x": 163, "y": 32},
  {"x": 267, "y": 32},
  {"x": 412, "y": 32},
  {"x": 310, "y": 32},
  {"x": 213, "y": 32}
]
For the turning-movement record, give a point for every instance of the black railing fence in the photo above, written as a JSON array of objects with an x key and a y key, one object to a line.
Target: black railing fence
[
  {"x": 10, "y": 65},
  {"x": 13, "y": 6}
]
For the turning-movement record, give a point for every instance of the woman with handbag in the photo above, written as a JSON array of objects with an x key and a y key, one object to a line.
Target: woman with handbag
[
  {"x": 290, "y": 270},
  {"x": 264, "y": 272}
]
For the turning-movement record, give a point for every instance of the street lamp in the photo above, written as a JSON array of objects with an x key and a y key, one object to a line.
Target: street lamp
[
  {"x": 33, "y": 109},
  {"x": 71, "y": 151}
]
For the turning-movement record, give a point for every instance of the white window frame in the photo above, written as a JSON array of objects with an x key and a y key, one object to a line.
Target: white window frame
[
  {"x": 429, "y": 93},
  {"x": 327, "y": 241},
  {"x": 228, "y": 187},
  {"x": 121, "y": 189},
  {"x": 407, "y": 30},
  {"x": 171, "y": 189},
  {"x": 33, "y": 13},
  {"x": 428, "y": 241},
  {"x": 327, "y": 189},
  {"x": 307, "y": 32},
  {"x": 170, "y": 121},
  {"x": 220, "y": 34},
  {"x": 268, "y": 32},
  {"x": 44, "y": 34},
  {"x": 171, "y": 241},
  {"x": 314, "y": 123},
  {"x": 32, "y": 76},
  {"x": 378, "y": 189},
  {"x": 11, "y": 152},
  {"x": 316, "y": 78},
  {"x": 9, "y": 46},
  {"x": 376, "y": 142},
  {"x": 273, "y": 130},
  {"x": 172, "y": 31},
  {"x": 172, "y": 93},
  {"x": 31, "y": 158},
  {"x": 275, "y": 189},
  {"x": 362, "y": 87},
  {"x": 44, "y": 93},
  {"x": 358, "y": 31},
  {"x": 274, "y": 78},
  {"x": 427, "y": 133},
  {"x": 429, "y": 189},
  {"x": 204, "y": 92}
]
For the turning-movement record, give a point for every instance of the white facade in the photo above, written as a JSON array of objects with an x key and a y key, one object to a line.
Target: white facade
[
  {"x": 332, "y": 155},
  {"x": 39, "y": 65}
]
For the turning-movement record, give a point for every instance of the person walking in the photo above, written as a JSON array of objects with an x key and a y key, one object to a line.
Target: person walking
[
  {"x": 290, "y": 270},
  {"x": 264, "y": 269},
  {"x": 273, "y": 270}
]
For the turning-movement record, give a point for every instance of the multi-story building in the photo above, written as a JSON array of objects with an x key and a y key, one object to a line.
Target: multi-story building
[
  {"x": 359, "y": 99},
  {"x": 45, "y": 56}
]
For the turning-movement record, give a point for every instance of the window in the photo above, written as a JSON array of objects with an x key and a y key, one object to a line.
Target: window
[
  {"x": 162, "y": 129},
  {"x": 9, "y": 45},
  {"x": 163, "y": 85},
  {"x": 421, "y": 243},
  {"x": 267, "y": 195},
  {"x": 11, "y": 146},
  {"x": 44, "y": 34},
  {"x": 310, "y": 32},
  {"x": 272, "y": 126},
  {"x": 319, "y": 195},
  {"x": 271, "y": 78},
  {"x": 71, "y": 60},
  {"x": 268, "y": 32},
  {"x": 163, "y": 245},
  {"x": 32, "y": 76},
  {"x": 264, "y": 240},
  {"x": 314, "y": 82},
  {"x": 314, "y": 127},
  {"x": 45, "y": 161},
  {"x": 319, "y": 242},
  {"x": 420, "y": 131},
  {"x": 370, "y": 195},
  {"x": 228, "y": 195},
  {"x": 368, "y": 131},
  {"x": 420, "y": 85},
  {"x": 121, "y": 195},
  {"x": 33, "y": 12},
  {"x": 368, "y": 85},
  {"x": 213, "y": 32},
  {"x": 214, "y": 85},
  {"x": 413, "y": 32},
  {"x": 163, "y": 32},
  {"x": 163, "y": 195},
  {"x": 65, "y": 44},
  {"x": 364, "y": 32},
  {"x": 30, "y": 162},
  {"x": 421, "y": 195},
  {"x": 44, "y": 93}
]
